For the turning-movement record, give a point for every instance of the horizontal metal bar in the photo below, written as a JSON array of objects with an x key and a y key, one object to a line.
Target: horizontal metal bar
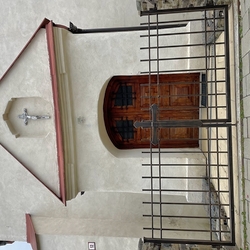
[
  {"x": 179, "y": 95},
  {"x": 182, "y": 33},
  {"x": 190, "y": 140},
  {"x": 184, "y": 178},
  {"x": 190, "y": 108},
  {"x": 73, "y": 29},
  {"x": 185, "y": 217},
  {"x": 193, "y": 139},
  {"x": 183, "y": 107},
  {"x": 186, "y": 82},
  {"x": 182, "y": 70},
  {"x": 217, "y": 121},
  {"x": 176, "y": 229},
  {"x": 168, "y": 124},
  {"x": 180, "y": 58},
  {"x": 185, "y": 230},
  {"x": 181, "y": 10},
  {"x": 181, "y": 164},
  {"x": 166, "y": 83},
  {"x": 187, "y": 140},
  {"x": 180, "y": 190},
  {"x": 180, "y": 45},
  {"x": 188, "y": 241},
  {"x": 183, "y": 203},
  {"x": 161, "y": 108},
  {"x": 207, "y": 125},
  {"x": 174, "y": 108},
  {"x": 217, "y": 94},
  {"x": 181, "y": 21},
  {"x": 216, "y": 81},
  {"x": 176, "y": 83},
  {"x": 190, "y": 152}
]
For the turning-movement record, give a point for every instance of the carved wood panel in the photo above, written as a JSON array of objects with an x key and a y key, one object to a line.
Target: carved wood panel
[{"x": 129, "y": 98}]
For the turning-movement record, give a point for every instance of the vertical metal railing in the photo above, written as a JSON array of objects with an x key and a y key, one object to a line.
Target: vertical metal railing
[{"x": 190, "y": 189}]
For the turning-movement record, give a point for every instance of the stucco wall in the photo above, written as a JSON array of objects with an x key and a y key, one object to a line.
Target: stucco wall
[
  {"x": 29, "y": 81},
  {"x": 100, "y": 166},
  {"x": 22, "y": 193},
  {"x": 92, "y": 60},
  {"x": 79, "y": 242}
]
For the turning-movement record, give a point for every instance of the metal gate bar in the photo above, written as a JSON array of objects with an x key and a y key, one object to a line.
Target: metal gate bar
[{"x": 190, "y": 191}]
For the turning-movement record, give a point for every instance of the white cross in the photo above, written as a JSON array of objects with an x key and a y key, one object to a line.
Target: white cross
[{"x": 27, "y": 117}]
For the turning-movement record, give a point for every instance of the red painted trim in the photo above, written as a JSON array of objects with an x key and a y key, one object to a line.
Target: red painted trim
[
  {"x": 59, "y": 137},
  {"x": 42, "y": 25},
  {"x": 30, "y": 232},
  {"x": 27, "y": 169},
  {"x": 51, "y": 49}
]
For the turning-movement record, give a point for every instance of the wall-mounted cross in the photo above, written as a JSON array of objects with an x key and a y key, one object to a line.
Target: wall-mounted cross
[
  {"x": 155, "y": 124},
  {"x": 25, "y": 116}
]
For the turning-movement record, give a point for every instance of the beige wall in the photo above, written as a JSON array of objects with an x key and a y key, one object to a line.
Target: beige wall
[
  {"x": 101, "y": 169},
  {"x": 36, "y": 148},
  {"x": 91, "y": 60}
]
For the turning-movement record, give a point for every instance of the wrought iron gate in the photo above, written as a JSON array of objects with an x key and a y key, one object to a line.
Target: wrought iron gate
[{"x": 190, "y": 198}]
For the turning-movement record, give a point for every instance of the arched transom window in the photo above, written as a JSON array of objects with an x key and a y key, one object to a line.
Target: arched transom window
[{"x": 128, "y": 99}]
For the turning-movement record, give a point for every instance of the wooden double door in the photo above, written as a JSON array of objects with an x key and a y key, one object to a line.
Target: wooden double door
[{"x": 129, "y": 98}]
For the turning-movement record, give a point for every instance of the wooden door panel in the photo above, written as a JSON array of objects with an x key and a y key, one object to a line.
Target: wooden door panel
[
  {"x": 181, "y": 133},
  {"x": 185, "y": 114},
  {"x": 154, "y": 94},
  {"x": 148, "y": 95},
  {"x": 184, "y": 95},
  {"x": 177, "y": 98},
  {"x": 145, "y": 135}
]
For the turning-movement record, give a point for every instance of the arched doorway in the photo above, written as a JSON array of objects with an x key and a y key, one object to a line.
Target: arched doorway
[{"x": 129, "y": 98}]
